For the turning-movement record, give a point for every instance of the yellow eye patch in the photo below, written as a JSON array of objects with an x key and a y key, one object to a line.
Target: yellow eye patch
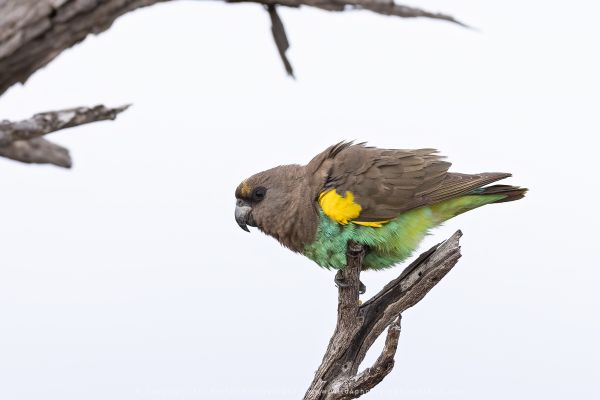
[
  {"x": 245, "y": 189},
  {"x": 343, "y": 209}
]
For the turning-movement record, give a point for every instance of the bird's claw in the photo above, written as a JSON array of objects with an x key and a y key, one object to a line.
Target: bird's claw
[
  {"x": 361, "y": 288},
  {"x": 340, "y": 281}
]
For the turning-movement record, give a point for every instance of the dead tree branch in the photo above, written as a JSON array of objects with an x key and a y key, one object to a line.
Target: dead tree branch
[
  {"x": 37, "y": 151},
  {"x": 34, "y": 32},
  {"x": 280, "y": 37},
  {"x": 358, "y": 326},
  {"x": 52, "y": 121},
  {"x": 21, "y": 140}
]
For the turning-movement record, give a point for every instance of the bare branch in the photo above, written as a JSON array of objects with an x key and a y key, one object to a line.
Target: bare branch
[
  {"x": 52, "y": 121},
  {"x": 37, "y": 151},
  {"x": 371, "y": 377},
  {"x": 359, "y": 326},
  {"x": 384, "y": 7},
  {"x": 20, "y": 141},
  {"x": 280, "y": 37},
  {"x": 348, "y": 303},
  {"x": 389, "y": 7},
  {"x": 408, "y": 289},
  {"x": 34, "y": 32}
]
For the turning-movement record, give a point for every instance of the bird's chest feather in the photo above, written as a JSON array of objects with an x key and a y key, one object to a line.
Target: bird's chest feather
[{"x": 388, "y": 244}]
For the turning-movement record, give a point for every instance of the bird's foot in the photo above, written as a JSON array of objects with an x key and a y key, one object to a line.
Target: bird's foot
[{"x": 340, "y": 281}]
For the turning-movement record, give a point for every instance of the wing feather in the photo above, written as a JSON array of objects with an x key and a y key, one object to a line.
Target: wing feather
[{"x": 387, "y": 182}]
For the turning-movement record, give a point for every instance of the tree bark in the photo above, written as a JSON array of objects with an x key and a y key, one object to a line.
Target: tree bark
[
  {"x": 34, "y": 32},
  {"x": 21, "y": 141},
  {"x": 358, "y": 326}
]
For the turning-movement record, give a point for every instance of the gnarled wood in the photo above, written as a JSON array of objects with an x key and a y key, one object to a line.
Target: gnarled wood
[
  {"x": 34, "y": 32},
  {"x": 37, "y": 151},
  {"x": 21, "y": 140},
  {"x": 358, "y": 326}
]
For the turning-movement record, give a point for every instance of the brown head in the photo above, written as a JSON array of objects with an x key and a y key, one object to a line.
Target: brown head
[{"x": 275, "y": 201}]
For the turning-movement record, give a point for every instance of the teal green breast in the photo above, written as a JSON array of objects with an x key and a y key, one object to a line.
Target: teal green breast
[{"x": 393, "y": 242}]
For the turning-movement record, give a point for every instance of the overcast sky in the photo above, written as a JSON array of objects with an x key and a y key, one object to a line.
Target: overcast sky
[{"x": 128, "y": 278}]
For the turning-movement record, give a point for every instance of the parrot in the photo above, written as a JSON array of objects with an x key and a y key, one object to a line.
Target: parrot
[{"x": 384, "y": 199}]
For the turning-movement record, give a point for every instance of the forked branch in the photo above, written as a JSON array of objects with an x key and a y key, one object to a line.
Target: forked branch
[
  {"x": 21, "y": 140},
  {"x": 34, "y": 32},
  {"x": 358, "y": 326}
]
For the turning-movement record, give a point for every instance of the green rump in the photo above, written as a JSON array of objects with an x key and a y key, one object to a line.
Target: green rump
[{"x": 394, "y": 241}]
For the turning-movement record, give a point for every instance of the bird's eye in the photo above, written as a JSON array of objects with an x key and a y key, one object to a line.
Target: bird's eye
[{"x": 259, "y": 193}]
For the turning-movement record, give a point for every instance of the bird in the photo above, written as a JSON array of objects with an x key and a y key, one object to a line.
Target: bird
[{"x": 384, "y": 199}]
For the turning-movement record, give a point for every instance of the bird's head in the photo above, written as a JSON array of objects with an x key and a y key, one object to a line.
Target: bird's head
[{"x": 264, "y": 199}]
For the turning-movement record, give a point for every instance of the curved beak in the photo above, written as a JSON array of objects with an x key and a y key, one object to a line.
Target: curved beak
[{"x": 242, "y": 214}]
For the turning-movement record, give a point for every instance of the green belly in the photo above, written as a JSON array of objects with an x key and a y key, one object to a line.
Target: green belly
[{"x": 391, "y": 243}]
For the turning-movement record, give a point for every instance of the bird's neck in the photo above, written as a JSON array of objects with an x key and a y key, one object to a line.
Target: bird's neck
[{"x": 296, "y": 226}]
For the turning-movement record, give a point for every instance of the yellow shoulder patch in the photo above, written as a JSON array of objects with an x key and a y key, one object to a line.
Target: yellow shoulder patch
[
  {"x": 374, "y": 224},
  {"x": 340, "y": 209},
  {"x": 343, "y": 209}
]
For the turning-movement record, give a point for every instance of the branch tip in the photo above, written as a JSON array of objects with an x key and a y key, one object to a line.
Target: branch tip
[
  {"x": 22, "y": 140},
  {"x": 280, "y": 37}
]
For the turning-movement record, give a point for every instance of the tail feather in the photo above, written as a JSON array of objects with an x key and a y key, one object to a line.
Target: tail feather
[
  {"x": 476, "y": 198},
  {"x": 512, "y": 193}
]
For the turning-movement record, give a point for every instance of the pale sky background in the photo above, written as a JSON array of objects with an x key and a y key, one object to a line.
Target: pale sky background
[{"x": 128, "y": 278}]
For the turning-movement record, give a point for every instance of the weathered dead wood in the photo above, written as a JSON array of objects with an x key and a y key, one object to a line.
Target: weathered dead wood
[
  {"x": 52, "y": 121},
  {"x": 21, "y": 140},
  {"x": 37, "y": 151},
  {"x": 358, "y": 326},
  {"x": 280, "y": 37},
  {"x": 34, "y": 32}
]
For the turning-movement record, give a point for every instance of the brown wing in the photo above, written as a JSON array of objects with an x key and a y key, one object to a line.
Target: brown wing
[{"x": 387, "y": 182}]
